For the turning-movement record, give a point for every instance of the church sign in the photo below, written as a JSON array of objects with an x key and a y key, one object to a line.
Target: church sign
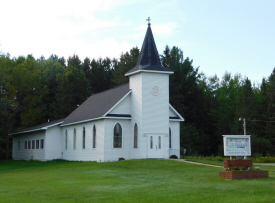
[{"x": 237, "y": 145}]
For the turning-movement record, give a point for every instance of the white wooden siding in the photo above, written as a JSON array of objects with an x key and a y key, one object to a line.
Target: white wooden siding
[
  {"x": 53, "y": 143},
  {"x": 124, "y": 107},
  {"x": 111, "y": 153},
  {"x": 89, "y": 153},
  {"x": 175, "y": 136},
  {"x": 28, "y": 154}
]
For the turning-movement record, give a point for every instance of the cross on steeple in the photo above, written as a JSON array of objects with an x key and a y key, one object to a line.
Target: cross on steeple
[{"x": 148, "y": 21}]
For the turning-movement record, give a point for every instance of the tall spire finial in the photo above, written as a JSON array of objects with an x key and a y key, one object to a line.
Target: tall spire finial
[{"x": 148, "y": 21}]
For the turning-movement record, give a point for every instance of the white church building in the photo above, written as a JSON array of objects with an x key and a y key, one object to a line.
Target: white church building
[{"x": 132, "y": 121}]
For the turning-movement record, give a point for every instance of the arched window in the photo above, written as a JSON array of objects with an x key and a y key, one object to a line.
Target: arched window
[
  {"x": 74, "y": 143},
  {"x": 83, "y": 138},
  {"x": 66, "y": 139},
  {"x": 170, "y": 138},
  {"x": 94, "y": 137},
  {"x": 117, "y": 136},
  {"x": 135, "y": 136}
]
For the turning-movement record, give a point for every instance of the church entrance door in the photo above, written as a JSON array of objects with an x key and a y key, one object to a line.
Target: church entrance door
[{"x": 155, "y": 147}]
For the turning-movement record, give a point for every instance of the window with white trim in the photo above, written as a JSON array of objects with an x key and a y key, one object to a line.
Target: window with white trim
[
  {"x": 83, "y": 138},
  {"x": 37, "y": 144},
  {"x": 170, "y": 138},
  {"x": 136, "y": 136},
  {"x": 94, "y": 137},
  {"x": 66, "y": 139},
  {"x": 117, "y": 136},
  {"x": 42, "y": 143},
  {"x": 74, "y": 142}
]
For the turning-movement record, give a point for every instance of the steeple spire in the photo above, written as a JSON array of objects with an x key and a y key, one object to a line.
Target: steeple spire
[{"x": 148, "y": 59}]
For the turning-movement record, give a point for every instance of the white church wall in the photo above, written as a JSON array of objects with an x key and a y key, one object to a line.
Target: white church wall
[
  {"x": 155, "y": 108},
  {"x": 31, "y": 152},
  {"x": 89, "y": 153},
  {"x": 136, "y": 112},
  {"x": 111, "y": 153},
  {"x": 175, "y": 137},
  {"x": 124, "y": 107},
  {"x": 172, "y": 113},
  {"x": 53, "y": 143},
  {"x": 149, "y": 111}
]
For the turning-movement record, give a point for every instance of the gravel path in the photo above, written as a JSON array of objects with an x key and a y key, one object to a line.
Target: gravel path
[{"x": 191, "y": 162}]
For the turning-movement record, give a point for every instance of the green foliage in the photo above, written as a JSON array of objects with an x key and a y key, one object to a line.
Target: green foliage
[{"x": 33, "y": 91}]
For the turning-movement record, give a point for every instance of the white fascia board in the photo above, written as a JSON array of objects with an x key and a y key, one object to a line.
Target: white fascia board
[
  {"x": 175, "y": 111},
  {"x": 28, "y": 131},
  {"x": 93, "y": 119},
  {"x": 176, "y": 120},
  {"x": 38, "y": 129},
  {"x": 149, "y": 71},
  {"x": 117, "y": 103},
  {"x": 123, "y": 118},
  {"x": 46, "y": 127}
]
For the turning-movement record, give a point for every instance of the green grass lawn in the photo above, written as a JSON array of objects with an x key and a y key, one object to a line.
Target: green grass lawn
[{"x": 127, "y": 181}]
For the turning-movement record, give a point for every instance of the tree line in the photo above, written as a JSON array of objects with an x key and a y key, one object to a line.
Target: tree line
[{"x": 33, "y": 91}]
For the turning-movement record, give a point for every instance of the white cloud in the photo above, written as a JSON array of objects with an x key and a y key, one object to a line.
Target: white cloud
[{"x": 32, "y": 27}]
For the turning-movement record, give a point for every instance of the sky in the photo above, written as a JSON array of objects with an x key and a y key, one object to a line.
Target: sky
[{"x": 236, "y": 36}]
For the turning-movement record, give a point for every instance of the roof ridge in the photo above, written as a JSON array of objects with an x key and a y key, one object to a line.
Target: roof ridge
[{"x": 108, "y": 90}]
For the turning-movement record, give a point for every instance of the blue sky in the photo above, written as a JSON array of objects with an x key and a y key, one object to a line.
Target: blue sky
[{"x": 221, "y": 35}]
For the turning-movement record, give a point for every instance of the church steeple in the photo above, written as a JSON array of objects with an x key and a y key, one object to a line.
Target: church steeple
[{"x": 148, "y": 59}]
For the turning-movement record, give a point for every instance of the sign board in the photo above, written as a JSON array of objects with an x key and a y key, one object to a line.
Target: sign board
[{"x": 237, "y": 145}]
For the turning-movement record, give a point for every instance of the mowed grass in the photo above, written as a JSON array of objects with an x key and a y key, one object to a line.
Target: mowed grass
[{"x": 127, "y": 181}]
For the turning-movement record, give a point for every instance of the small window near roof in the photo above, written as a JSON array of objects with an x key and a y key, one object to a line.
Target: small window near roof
[
  {"x": 37, "y": 144},
  {"x": 42, "y": 143},
  {"x": 33, "y": 144}
]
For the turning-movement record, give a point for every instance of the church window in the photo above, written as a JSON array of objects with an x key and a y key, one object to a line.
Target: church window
[
  {"x": 83, "y": 138},
  {"x": 159, "y": 142},
  {"x": 66, "y": 139},
  {"x": 42, "y": 143},
  {"x": 33, "y": 144},
  {"x": 37, "y": 144},
  {"x": 170, "y": 140},
  {"x": 74, "y": 143},
  {"x": 135, "y": 136},
  {"x": 117, "y": 136},
  {"x": 29, "y": 144},
  {"x": 151, "y": 142},
  {"x": 94, "y": 137}
]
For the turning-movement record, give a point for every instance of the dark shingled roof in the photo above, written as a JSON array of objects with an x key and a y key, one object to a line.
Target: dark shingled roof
[
  {"x": 97, "y": 105},
  {"x": 39, "y": 127},
  {"x": 148, "y": 58}
]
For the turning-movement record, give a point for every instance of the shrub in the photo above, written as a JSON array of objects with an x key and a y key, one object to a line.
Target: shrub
[
  {"x": 121, "y": 159},
  {"x": 173, "y": 157}
]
